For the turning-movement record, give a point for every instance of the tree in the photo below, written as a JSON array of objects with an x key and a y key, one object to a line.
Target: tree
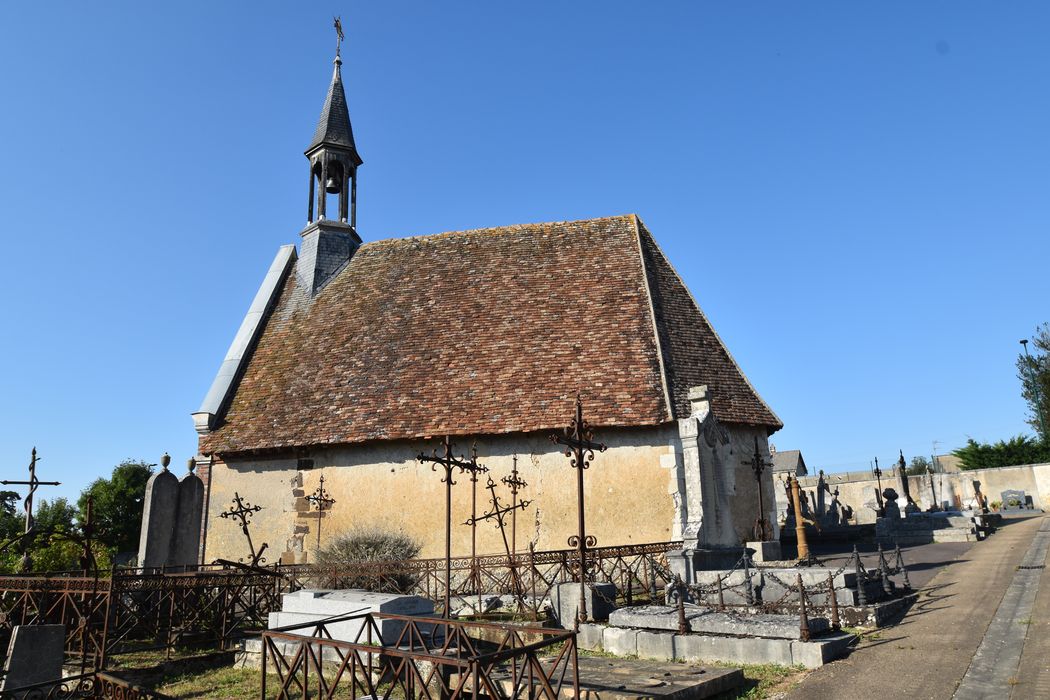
[
  {"x": 118, "y": 503},
  {"x": 918, "y": 466},
  {"x": 1017, "y": 450},
  {"x": 12, "y": 523},
  {"x": 55, "y": 515},
  {"x": 1033, "y": 370}
]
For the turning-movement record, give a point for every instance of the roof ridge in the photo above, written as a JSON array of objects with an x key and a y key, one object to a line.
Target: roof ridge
[{"x": 494, "y": 230}]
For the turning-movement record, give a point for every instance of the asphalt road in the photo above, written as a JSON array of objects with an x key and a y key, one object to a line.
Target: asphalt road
[{"x": 929, "y": 653}]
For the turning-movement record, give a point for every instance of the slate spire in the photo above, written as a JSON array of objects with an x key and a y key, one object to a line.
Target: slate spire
[
  {"x": 333, "y": 127},
  {"x": 333, "y": 154}
]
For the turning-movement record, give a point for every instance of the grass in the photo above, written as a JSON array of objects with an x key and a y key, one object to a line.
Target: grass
[
  {"x": 232, "y": 683},
  {"x": 763, "y": 680}
]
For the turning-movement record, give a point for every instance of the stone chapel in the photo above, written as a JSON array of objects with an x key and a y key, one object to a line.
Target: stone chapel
[{"x": 356, "y": 355}]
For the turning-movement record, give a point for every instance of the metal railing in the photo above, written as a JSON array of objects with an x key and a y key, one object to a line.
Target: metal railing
[{"x": 423, "y": 658}]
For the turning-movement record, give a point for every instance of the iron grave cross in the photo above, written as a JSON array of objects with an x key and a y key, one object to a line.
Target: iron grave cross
[
  {"x": 33, "y": 484},
  {"x": 242, "y": 511},
  {"x": 323, "y": 501},
  {"x": 448, "y": 461},
  {"x": 578, "y": 440},
  {"x": 762, "y": 530}
]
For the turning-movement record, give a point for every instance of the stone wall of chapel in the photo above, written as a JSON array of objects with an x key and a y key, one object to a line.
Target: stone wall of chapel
[{"x": 630, "y": 492}]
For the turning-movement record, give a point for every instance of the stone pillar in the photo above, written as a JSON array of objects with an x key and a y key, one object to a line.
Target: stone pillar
[
  {"x": 158, "y": 517},
  {"x": 185, "y": 549}
]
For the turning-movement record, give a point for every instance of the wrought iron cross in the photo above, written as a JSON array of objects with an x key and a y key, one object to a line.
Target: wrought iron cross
[
  {"x": 242, "y": 511},
  {"x": 33, "y": 484},
  {"x": 448, "y": 461},
  {"x": 580, "y": 446},
  {"x": 498, "y": 512},
  {"x": 323, "y": 501},
  {"x": 87, "y": 556},
  {"x": 878, "y": 493},
  {"x": 474, "y": 469},
  {"x": 762, "y": 529},
  {"x": 516, "y": 483}
]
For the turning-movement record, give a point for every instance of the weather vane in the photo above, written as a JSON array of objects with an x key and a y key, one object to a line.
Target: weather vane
[{"x": 338, "y": 24}]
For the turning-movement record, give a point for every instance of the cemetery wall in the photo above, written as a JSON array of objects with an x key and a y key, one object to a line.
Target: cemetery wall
[
  {"x": 631, "y": 494},
  {"x": 857, "y": 489}
]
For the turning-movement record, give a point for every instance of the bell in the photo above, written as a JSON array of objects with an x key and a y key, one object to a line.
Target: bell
[{"x": 332, "y": 186}]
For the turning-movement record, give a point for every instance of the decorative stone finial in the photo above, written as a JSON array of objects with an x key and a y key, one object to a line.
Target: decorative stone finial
[
  {"x": 165, "y": 460},
  {"x": 191, "y": 464}
]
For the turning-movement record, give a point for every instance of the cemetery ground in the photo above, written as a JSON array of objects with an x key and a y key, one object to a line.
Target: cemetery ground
[{"x": 966, "y": 636}]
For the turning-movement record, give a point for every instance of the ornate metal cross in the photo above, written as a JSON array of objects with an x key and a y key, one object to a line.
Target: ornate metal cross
[
  {"x": 323, "y": 501},
  {"x": 448, "y": 461},
  {"x": 87, "y": 556},
  {"x": 243, "y": 511},
  {"x": 578, "y": 440},
  {"x": 499, "y": 512},
  {"x": 878, "y": 493},
  {"x": 762, "y": 530},
  {"x": 474, "y": 469},
  {"x": 33, "y": 484},
  {"x": 515, "y": 483}
]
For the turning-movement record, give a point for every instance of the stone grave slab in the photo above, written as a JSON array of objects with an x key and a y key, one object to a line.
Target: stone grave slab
[
  {"x": 565, "y": 601},
  {"x": 311, "y": 606},
  {"x": 703, "y": 621},
  {"x": 637, "y": 679},
  {"x": 1013, "y": 499},
  {"x": 35, "y": 655}
]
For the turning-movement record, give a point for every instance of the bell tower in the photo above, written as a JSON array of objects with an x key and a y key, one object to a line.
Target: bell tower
[{"x": 330, "y": 237}]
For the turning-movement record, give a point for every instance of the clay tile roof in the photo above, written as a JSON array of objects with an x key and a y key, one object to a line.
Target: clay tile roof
[{"x": 482, "y": 332}]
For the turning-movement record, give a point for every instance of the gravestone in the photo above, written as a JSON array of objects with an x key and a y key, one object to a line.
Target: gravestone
[
  {"x": 1013, "y": 499},
  {"x": 312, "y": 606},
  {"x": 565, "y": 601},
  {"x": 171, "y": 519},
  {"x": 35, "y": 655}
]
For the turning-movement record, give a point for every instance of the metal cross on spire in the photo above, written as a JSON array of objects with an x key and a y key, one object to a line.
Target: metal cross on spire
[
  {"x": 242, "y": 511},
  {"x": 580, "y": 448},
  {"x": 762, "y": 529},
  {"x": 324, "y": 501},
  {"x": 33, "y": 484},
  {"x": 337, "y": 22}
]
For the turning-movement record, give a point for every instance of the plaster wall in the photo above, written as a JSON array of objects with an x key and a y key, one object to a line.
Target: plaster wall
[
  {"x": 631, "y": 492},
  {"x": 956, "y": 488}
]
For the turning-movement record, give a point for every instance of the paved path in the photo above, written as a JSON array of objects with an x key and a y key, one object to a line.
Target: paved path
[{"x": 931, "y": 651}]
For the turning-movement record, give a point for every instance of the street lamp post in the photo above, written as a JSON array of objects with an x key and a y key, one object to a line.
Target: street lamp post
[{"x": 1035, "y": 389}]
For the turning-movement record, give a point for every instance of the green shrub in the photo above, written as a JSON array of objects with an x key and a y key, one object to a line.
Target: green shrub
[{"x": 370, "y": 558}]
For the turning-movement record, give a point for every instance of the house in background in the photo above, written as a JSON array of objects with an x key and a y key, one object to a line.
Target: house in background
[{"x": 788, "y": 461}]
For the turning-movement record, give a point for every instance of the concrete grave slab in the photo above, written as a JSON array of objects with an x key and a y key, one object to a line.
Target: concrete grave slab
[
  {"x": 766, "y": 625},
  {"x": 636, "y": 679},
  {"x": 312, "y": 606}
]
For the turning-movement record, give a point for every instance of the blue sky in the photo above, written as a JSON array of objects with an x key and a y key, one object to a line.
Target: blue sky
[{"x": 856, "y": 193}]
